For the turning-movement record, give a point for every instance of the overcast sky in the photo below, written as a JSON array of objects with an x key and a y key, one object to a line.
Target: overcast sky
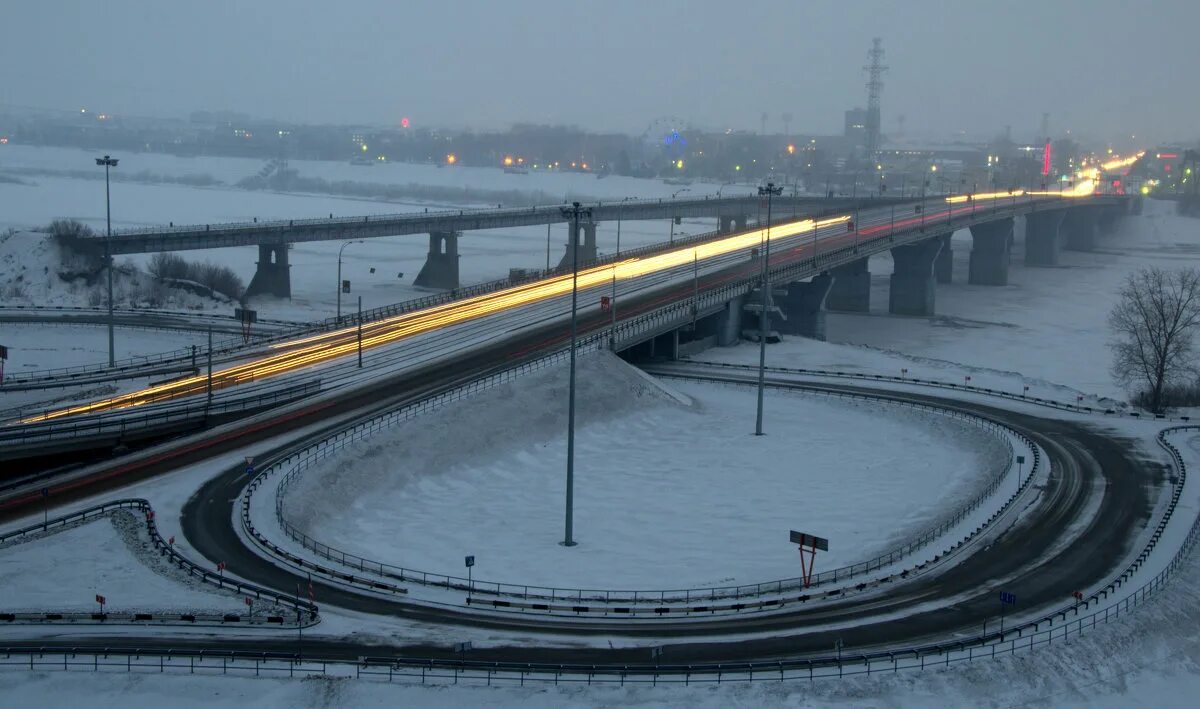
[{"x": 1099, "y": 67}]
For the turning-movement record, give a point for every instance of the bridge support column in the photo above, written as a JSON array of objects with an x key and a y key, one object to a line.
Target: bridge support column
[
  {"x": 729, "y": 322},
  {"x": 1081, "y": 225},
  {"x": 912, "y": 287},
  {"x": 441, "y": 264},
  {"x": 1107, "y": 218},
  {"x": 851, "y": 290},
  {"x": 804, "y": 305},
  {"x": 943, "y": 265},
  {"x": 724, "y": 225},
  {"x": 741, "y": 222},
  {"x": 273, "y": 275},
  {"x": 990, "y": 244},
  {"x": 587, "y": 249},
  {"x": 1042, "y": 237}
]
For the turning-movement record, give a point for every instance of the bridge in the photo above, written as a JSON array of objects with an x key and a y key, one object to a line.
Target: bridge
[
  {"x": 924, "y": 605},
  {"x": 444, "y": 228},
  {"x": 663, "y": 303}
]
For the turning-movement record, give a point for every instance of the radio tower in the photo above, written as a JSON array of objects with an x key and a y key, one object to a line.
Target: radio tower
[{"x": 874, "y": 89}]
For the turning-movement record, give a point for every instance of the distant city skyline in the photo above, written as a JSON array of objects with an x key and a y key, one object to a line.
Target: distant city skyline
[{"x": 1102, "y": 69}]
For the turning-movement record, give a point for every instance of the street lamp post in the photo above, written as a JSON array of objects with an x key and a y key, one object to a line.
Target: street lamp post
[
  {"x": 769, "y": 191},
  {"x": 671, "y": 239},
  {"x": 339, "y": 277},
  {"x": 574, "y": 212},
  {"x": 108, "y": 162}
]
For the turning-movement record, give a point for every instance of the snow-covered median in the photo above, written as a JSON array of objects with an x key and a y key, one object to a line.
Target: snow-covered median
[{"x": 666, "y": 496}]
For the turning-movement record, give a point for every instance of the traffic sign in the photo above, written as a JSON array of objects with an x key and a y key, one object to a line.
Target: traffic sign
[
  {"x": 809, "y": 540},
  {"x": 470, "y": 561},
  {"x": 1020, "y": 460},
  {"x": 345, "y": 286},
  {"x": 1008, "y": 598}
]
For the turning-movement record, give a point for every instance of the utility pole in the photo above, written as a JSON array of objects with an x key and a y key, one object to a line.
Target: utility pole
[
  {"x": 769, "y": 191},
  {"x": 108, "y": 162},
  {"x": 208, "y": 388},
  {"x": 574, "y": 212}
]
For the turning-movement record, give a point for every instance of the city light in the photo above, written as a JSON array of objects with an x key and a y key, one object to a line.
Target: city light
[
  {"x": 679, "y": 164},
  {"x": 508, "y": 160},
  {"x": 404, "y": 122},
  {"x": 451, "y": 159},
  {"x": 791, "y": 149}
]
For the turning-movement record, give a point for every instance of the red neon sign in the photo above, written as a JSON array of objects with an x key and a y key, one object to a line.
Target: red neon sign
[{"x": 1046, "y": 159}]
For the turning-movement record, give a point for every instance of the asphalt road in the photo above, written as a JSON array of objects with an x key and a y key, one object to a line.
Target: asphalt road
[{"x": 1087, "y": 463}]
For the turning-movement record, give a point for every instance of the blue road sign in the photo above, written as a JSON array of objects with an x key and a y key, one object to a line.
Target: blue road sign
[{"x": 1008, "y": 598}]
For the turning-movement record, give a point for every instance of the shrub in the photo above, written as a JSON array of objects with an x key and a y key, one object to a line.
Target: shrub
[
  {"x": 219, "y": 279},
  {"x": 167, "y": 265}
]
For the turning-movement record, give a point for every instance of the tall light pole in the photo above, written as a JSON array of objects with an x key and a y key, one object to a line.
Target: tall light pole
[
  {"x": 108, "y": 162},
  {"x": 769, "y": 191},
  {"x": 339, "y": 279},
  {"x": 574, "y": 212}
]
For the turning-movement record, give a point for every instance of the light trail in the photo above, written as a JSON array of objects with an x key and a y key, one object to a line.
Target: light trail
[
  {"x": 340, "y": 343},
  {"x": 326, "y": 347}
]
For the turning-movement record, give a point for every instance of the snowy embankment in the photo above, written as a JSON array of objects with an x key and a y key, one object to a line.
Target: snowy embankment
[
  {"x": 667, "y": 495},
  {"x": 63, "y": 571}
]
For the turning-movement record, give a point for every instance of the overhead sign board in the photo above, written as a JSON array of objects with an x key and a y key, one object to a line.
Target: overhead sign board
[{"x": 808, "y": 540}]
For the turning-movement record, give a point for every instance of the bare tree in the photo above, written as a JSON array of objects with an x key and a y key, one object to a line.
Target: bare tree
[{"x": 1153, "y": 324}]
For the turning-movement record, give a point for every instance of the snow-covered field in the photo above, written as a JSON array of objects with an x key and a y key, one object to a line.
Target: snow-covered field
[
  {"x": 668, "y": 495},
  {"x": 395, "y": 261},
  {"x": 46, "y": 345},
  {"x": 1048, "y": 326},
  {"x": 110, "y": 556}
]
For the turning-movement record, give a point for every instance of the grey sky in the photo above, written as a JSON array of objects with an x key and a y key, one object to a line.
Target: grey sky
[{"x": 1104, "y": 67}]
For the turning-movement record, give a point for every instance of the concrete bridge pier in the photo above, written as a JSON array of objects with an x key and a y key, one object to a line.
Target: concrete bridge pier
[
  {"x": 912, "y": 287},
  {"x": 943, "y": 265},
  {"x": 1107, "y": 218},
  {"x": 1042, "y": 241},
  {"x": 587, "y": 249},
  {"x": 731, "y": 223},
  {"x": 273, "y": 275},
  {"x": 804, "y": 304},
  {"x": 729, "y": 322},
  {"x": 851, "y": 290},
  {"x": 441, "y": 264},
  {"x": 990, "y": 251},
  {"x": 1082, "y": 227}
]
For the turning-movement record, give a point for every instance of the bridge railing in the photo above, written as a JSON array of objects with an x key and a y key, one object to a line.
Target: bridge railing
[{"x": 120, "y": 422}]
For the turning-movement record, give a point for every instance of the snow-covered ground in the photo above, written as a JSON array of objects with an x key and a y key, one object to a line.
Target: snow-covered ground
[
  {"x": 46, "y": 345},
  {"x": 667, "y": 495},
  {"x": 58, "y": 571},
  {"x": 1048, "y": 326},
  {"x": 381, "y": 270}
]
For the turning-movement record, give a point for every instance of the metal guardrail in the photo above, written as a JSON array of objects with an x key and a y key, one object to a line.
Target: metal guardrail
[
  {"x": 165, "y": 549},
  {"x": 1024, "y": 637},
  {"x": 152, "y": 416},
  {"x": 323, "y": 449}
]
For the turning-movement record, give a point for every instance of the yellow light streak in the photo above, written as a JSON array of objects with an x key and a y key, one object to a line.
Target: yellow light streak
[{"x": 316, "y": 349}]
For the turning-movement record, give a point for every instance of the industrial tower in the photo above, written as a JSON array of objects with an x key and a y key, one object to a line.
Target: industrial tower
[{"x": 874, "y": 89}]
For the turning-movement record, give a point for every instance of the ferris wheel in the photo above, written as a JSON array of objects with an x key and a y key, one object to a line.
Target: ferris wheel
[{"x": 665, "y": 137}]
